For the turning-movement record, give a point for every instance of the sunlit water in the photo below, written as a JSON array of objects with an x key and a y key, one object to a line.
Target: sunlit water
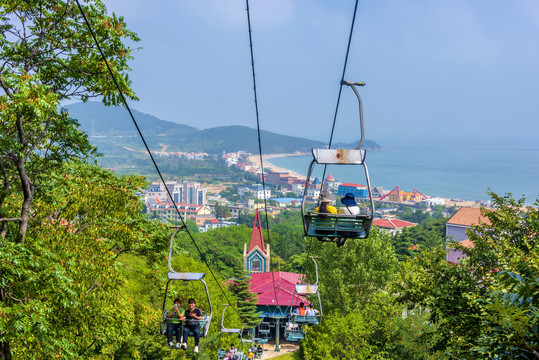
[{"x": 457, "y": 170}]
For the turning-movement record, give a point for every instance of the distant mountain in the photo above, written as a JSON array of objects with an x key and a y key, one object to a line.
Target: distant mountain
[{"x": 112, "y": 131}]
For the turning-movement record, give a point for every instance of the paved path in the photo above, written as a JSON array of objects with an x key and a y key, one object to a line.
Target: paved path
[{"x": 285, "y": 348}]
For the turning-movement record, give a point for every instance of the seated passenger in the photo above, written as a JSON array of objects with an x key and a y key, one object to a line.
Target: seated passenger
[
  {"x": 325, "y": 199},
  {"x": 175, "y": 318},
  {"x": 301, "y": 309},
  {"x": 350, "y": 207},
  {"x": 233, "y": 352},
  {"x": 193, "y": 315},
  {"x": 310, "y": 311},
  {"x": 250, "y": 355}
]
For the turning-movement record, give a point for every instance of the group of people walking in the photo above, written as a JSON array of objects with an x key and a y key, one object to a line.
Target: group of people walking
[{"x": 190, "y": 319}]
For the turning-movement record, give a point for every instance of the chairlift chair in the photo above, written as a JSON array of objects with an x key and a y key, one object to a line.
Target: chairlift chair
[
  {"x": 264, "y": 331},
  {"x": 329, "y": 227},
  {"x": 307, "y": 289},
  {"x": 221, "y": 353},
  {"x": 185, "y": 276}
]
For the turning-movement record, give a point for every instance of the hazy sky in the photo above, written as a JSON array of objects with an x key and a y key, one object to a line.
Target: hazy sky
[{"x": 436, "y": 68}]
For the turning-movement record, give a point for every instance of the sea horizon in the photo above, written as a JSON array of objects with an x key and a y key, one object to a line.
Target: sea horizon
[{"x": 463, "y": 169}]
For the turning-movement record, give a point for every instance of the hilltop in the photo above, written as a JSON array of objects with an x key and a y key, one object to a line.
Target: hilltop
[{"x": 112, "y": 131}]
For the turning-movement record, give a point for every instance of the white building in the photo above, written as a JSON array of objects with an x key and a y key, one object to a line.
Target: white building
[
  {"x": 433, "y": 201},
  {"x": 185, "y": 192},
  {"x": 256, "y": 190}
]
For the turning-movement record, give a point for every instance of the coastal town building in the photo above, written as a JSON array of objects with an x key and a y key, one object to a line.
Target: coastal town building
[
  {"x": 167, "y": 210},
  {"x": 456, "y": 230},
  {"x": 433, "y": 201},
  {"x": 358, "y": 190},
  {"x": 256, "y": 190},
  {"x": 331, "y": 184},
  {"x": 397, "y": 195},
  {"x": 185, "y": 192},
  {"x": 288, "y": 202},
  {"x": 392, "y": 226}
]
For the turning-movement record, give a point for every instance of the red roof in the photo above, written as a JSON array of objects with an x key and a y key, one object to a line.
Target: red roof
[
  {"x": 271, "y": 284},
  {"x": 330, "y": 178},
  {"x": 392, "y": 224},
  {"x": 351, "y": 185},
  {"x": 468, "y": 216},
  {"x": 257, "y": 239}
]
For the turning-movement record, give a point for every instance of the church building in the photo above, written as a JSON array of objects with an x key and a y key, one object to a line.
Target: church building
[{"x": 256, "y": 258}]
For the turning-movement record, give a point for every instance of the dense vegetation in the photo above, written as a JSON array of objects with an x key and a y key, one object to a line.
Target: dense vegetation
[{"x": 83, "y": 272}]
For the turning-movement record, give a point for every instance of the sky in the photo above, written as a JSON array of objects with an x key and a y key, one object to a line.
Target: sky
[{"x": 433, "y": 68}]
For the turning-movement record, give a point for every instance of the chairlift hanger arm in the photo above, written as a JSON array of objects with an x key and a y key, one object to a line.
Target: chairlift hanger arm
[{"x": 353, "y": 86}]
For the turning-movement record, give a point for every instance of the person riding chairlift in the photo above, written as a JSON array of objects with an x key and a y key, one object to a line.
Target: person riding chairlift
[
  {"x": 301, "y": 309},
  {"x": 349, "y": 207}
]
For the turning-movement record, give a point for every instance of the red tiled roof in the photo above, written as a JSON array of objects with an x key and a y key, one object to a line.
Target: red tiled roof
[
  {"x": 465, "y": 243},
  {"x": 281, "y": 284},
  {"x": 257, "y": 239},
  {"x": 392, "y": 224},
  {"x": 351, "y": 185},
  {"x": 330, "y": 178},
  {"x": 468, "y": 216}
]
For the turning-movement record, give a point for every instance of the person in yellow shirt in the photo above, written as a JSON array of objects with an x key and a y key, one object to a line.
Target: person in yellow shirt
[
  {"x": 326, "y": 198},
  {"x": 250, "y": 354}
]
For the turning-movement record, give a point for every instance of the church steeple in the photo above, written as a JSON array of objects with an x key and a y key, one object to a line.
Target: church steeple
[
  {"x": 257, "y": 258},
  {"x": 257, "y": 238}
]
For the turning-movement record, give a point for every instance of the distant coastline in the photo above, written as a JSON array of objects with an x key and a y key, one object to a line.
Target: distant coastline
[
  {"x": 268, "y": 166},
  {"x": 255, "y": 159}
]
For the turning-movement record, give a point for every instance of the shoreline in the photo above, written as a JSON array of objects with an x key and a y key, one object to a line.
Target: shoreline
[{"x": 255, "y": 159}]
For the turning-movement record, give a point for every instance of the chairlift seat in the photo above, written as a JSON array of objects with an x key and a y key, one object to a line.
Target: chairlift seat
[
  {"x": 339, "y": 156},
  {"x": 185, "y": 276},
  {"x": 305, "y": 319},
  {"x": 306, "y": 289},
  {"x": 295, "y": 337},
  {"x": 338, "y": 225}
]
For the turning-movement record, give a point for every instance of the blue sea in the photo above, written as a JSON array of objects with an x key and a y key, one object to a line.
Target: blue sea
[{"x": 457, "y": 169}]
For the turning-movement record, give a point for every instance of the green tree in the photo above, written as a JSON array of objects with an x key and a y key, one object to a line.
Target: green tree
[
  {"x": 506, "y": 253},
  {"x": 446, "y": 291},
  {"x": 48, "y": 56},
  {"x": 63, "y": 294},
  {"x": 414, "y": 239},
  {"x": 349, "y": 276},
  {"x": 245, "y": 300}
]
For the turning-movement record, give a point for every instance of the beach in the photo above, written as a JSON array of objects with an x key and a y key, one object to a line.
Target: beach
[
  {"x": 269, "y": 167},
  {"x": 255, "y": 159}
]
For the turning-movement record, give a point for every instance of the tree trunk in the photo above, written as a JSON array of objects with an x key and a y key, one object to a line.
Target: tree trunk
[
  {"x": 28, "y": 193},
  {"x": 5, "y": 351}
]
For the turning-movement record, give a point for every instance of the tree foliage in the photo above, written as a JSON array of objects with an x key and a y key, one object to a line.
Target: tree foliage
[
  {"x": 47, "y": 55},
  {"x": 245, "y": 300},
  {"x": 61, "y": 290}
]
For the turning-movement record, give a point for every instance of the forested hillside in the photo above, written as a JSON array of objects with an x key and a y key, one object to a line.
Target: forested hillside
[
  {"x": 111, "y": 130},
  {"x": 83, "y": 272}
]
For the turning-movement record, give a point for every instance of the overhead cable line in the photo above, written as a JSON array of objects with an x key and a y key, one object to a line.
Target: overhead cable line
[
  {"x": 342, "y": 83},
  {"x": 259, "y": 139},
  {"x": 150, "y": 154}
]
